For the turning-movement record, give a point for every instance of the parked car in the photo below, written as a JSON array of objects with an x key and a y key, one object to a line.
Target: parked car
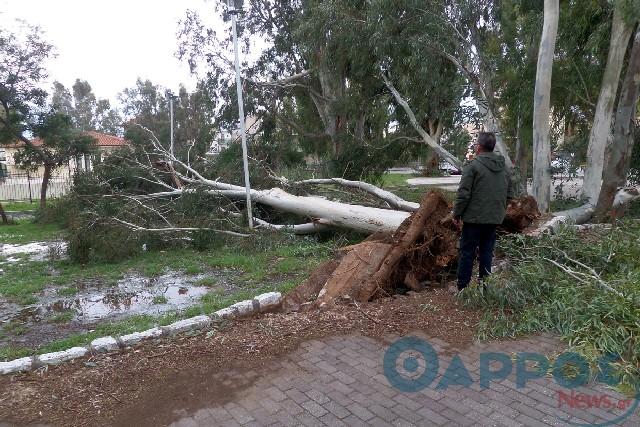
[{"x": 447, "y": 169}]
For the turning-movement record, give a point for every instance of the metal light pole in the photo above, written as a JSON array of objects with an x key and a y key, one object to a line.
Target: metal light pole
[
  {"x": 243, "y": 131},
  {"x": 170, "y": 96}
]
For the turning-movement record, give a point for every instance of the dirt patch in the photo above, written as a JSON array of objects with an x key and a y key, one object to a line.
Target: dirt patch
[{"x": 108, "y": 390}]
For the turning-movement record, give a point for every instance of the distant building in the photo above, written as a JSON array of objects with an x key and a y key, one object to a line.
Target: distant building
[
  {"x": 105, "y": 144},
  {"x": 225, "y": 139}
]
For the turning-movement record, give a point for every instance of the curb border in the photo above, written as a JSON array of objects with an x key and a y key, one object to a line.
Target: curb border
[{"x": 264, "y": 302}]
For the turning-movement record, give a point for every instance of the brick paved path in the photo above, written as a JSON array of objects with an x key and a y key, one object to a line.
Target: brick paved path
[{"x": 339, "y": 381}]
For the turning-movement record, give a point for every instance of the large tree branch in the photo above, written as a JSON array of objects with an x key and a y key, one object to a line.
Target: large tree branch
[
  {"x": 414, "y": 122},
  {"x": 284, "y": 82},
  {"x": 393, "y": 200},
  {"x": 134, "y": 227}
]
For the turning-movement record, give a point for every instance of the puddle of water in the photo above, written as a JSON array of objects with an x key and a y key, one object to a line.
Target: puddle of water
[
  {"x": 37, "y": 251},
  {"x": 135, "y": 294}
]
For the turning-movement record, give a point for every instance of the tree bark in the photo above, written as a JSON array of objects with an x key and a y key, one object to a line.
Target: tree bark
[
  {"x": 45, "y": 184},
  {"x": 5, "y": 220},
  {"x": 541, "y": 107},
  {"x": 615, "y": 167},
  {"x": 335, "y": 214},
  {"x": 332, "y": 87},
  {"x": 521, "y": 166},
  {"x": 601, "y": 129}
]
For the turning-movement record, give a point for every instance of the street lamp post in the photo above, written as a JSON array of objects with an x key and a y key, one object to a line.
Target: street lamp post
[
  {"x": 171, "y": 96},
  {"x": 243, "y": 132}
]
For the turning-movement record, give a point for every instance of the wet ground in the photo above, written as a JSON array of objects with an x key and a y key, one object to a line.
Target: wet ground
[
  {"x": 35, "y": 251},
  {"x": 80, "y": 305},
  {"x": 55, "y": 316}
]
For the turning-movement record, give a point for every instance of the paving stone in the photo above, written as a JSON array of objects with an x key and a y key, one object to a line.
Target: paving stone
[
  {"x": 313, "y": 408},
  {"x": 333, "y": 382}
]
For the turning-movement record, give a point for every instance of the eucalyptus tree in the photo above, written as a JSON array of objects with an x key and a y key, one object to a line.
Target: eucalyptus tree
[
  {"x": 621, "y": 29},
  {"x": 146, "y": 104},
  {"x": 86, "y": 110},
  {"x": 542, "y": 105}
]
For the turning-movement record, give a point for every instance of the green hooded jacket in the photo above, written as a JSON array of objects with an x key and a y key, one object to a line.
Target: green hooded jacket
[{"x": 484, "y": 189}]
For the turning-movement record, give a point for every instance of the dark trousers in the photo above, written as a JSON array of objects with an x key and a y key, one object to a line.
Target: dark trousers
[{"x": 481, "y": 237}]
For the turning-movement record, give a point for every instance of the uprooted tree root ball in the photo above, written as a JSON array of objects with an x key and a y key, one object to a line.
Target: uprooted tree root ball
[{"x": 413, "y": 257}]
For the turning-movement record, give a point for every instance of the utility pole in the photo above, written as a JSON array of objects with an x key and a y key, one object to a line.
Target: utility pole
[
  {"x": 243, "y": 132},
  {"x": 171, "y": 96}
]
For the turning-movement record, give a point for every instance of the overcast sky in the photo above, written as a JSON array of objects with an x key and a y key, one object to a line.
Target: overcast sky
[{"x": 111, "y": 43}]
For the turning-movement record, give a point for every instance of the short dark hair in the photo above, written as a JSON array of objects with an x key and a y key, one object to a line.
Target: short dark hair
[{"x": 487, "y": 140}]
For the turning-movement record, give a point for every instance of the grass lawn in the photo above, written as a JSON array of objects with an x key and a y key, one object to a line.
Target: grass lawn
[
  {"x": 19, "y": 206},
  {"x": 26, "y": 231},
  {"x": 272, "y": 263}
]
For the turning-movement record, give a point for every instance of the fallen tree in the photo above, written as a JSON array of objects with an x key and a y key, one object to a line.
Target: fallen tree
[
  {"x": 320, "y": 213},
  {"x": 412, "y": 257}
]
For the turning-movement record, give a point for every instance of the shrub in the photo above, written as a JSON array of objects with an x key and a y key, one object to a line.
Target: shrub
[{"x": 563, "y": 284}]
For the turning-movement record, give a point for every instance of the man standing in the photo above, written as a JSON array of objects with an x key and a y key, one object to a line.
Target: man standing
[{"x": 481, "y": 205}]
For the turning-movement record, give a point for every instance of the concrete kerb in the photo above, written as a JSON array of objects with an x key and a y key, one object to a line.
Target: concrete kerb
[{"x": 269, "y": 301}]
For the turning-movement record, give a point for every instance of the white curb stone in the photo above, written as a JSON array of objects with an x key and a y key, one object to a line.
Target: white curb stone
[
  {"x": 226, "y": 313},
  {"x": 260, "y": 303},
  {"x": 59, "y": 357},
  {"x": 104, "y": 344},
  {"x": 136, "y": 337},
  {"x": 197, "y": 322},
  {"x": 17, "y": 365},
  {"x": 244, "y": 308},
  {"x": 269, "y": 300}
]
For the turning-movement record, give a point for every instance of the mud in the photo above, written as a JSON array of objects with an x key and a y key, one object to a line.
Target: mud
[{"x": 97, "y": 301}]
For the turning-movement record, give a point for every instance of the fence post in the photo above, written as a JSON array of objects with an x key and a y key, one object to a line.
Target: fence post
[{"x": 29, "y": 184}]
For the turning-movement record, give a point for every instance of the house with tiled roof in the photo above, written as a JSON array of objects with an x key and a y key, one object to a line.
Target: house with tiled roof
[{"x": 105, "y": 144}]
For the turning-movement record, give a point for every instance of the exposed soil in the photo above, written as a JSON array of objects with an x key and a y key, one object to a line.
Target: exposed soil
[{"x": 105, "y": 389}]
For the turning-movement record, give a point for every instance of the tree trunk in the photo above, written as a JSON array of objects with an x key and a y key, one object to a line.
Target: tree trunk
[
  {"x": 492, "y": 124},
  {"x": 542, "y": 98},
  {"x": 5, "y": 220},
  {"x": 615, "y": 168},
  {"x": 601, "y": 129},
  {"x": 45, "y": 184},
  {"x": 520, "y": 169},
  {"x": 332, "y": 87},
  {"x": 354, "y": 217}
]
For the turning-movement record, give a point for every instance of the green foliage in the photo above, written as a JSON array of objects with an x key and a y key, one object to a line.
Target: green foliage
[
  {"x": 86, "y": 111},
  {"x": 60, "y": 143},
  {"x": 160, "y": 299},
  {"x": 22, "y": 58},
  {"x": 537, "y": 295}
]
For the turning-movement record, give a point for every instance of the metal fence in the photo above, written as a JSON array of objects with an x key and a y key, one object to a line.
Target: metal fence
[{"x": 27, "y": 185}]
